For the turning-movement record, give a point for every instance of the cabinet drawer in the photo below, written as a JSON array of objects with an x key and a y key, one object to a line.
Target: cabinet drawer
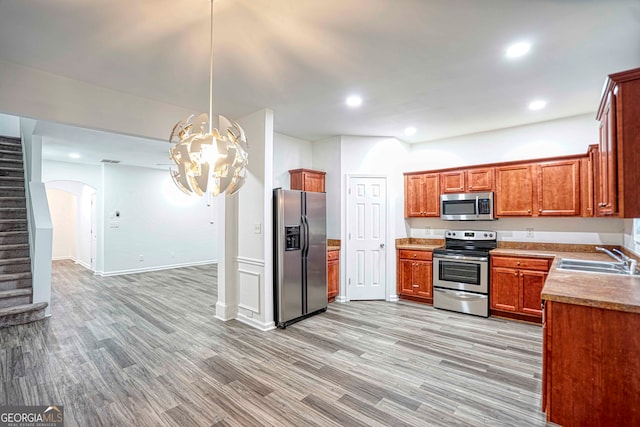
[
  {"x": 521, "y": 263},
  {"x": 333, "y": 255},
  {"x": 422, "y": 255}
]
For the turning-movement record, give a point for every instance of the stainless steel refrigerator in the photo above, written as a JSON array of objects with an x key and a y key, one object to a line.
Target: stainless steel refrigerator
[{"x": 300, "y": 255}]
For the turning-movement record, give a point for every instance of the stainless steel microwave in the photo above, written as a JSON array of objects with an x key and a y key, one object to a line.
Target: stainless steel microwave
[{"x": 466, "y": 207}]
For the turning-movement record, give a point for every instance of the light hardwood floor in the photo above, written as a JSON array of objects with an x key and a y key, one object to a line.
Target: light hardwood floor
[{"x": 146, "y": 350}]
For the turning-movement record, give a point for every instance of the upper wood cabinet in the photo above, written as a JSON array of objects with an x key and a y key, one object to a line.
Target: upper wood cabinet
[
  {"x": 618, "y": 177},
  {"x": 422, "y": 195},
  {"x": 559, "y": 188},
  {"x": 514, "y": 191},
  {"x": 588, "y": 170},
  {"x": 462, "y": 181},
  {"x": 307, "y": 180}
]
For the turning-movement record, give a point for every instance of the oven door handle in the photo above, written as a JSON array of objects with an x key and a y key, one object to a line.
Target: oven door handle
[
  {"x": 461, "y": 257},
  {"x": 461, "y": 294}
]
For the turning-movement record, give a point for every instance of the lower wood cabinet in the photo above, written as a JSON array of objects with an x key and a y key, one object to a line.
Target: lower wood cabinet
[
  {"x": 415, "y": 275},
  {"x": 590, "y": 366},
  {"x": 516, "y": 284},
  {"x": 333, "y": 274}
]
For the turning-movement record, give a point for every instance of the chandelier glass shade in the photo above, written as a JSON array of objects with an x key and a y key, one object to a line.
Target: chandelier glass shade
[{"x": 206, "y": 160}]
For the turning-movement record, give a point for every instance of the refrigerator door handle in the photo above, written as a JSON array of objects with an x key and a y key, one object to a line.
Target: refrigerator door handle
[{"x": 305, "y": 233}]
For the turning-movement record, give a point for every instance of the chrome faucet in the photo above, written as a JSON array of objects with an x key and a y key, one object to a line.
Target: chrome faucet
[
  {"x": 627, "y": 263},
  {"x": 608, "y": 252}
]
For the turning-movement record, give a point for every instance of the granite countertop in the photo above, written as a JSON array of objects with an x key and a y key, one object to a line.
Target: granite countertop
[
  {"x": 333, "y": 248},
  {"x": 417, "y": 244},
  {"x": 607, "y": 291}
]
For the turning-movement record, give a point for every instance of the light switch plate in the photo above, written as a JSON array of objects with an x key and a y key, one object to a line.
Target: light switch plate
[{"x": 257, "y": 228}]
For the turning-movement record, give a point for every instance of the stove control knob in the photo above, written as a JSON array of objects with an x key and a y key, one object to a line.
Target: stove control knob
[{"x": 486, "y": 235}]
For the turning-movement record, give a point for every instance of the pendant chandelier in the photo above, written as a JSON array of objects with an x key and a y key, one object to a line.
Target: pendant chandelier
[{"x": 208, "y": 161}]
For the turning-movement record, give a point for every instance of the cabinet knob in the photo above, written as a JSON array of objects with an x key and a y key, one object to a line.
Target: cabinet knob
[
  {"x": 518, "y": 263},
  {"x": 416, "y": 286},
  {"x": 414, "y": 255},
  {"x": 539, "y": 210},
  {"x": 515, "y": 274},
  {"x": 521, "y": 275},
  {"x": 528, "y": 210}
]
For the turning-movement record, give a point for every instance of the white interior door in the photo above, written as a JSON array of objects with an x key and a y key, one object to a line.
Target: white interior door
[{"x": 366, "y": 237}]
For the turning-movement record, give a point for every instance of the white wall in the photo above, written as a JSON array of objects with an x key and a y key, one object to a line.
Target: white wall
[
  {"x": 289, "y": 153},
  {"x": 82, "y": 217},
  {"x": 150, "y": 224},
  {"x": 9, "y": 126},
  {"x": 571, "y": 135},
  {"x": 326, "y": 157},
  {"x": 63, "y": 210}
]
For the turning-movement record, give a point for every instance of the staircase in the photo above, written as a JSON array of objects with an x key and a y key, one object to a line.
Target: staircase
[{"x": 16, "y": 288}]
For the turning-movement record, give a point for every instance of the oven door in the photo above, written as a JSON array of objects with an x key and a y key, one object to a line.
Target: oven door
[{"x": 461, "y": 273}]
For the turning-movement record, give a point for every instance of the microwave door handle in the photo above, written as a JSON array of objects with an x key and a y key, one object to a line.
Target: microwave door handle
[{"x": 477, "y": 205}]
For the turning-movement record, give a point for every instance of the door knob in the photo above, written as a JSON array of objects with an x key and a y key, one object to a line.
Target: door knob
[{"x": 382, "y": 246}]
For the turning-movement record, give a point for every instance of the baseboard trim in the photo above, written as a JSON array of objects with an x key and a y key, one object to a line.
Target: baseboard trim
[
  {"x": 393, "y": 298},
  {"x": 63, "y": 258},
  {"x": 156, "y": 268},
  {"x": 264, "y": 327},
  {"x": 83, "y": 264},
  {"x": 226, "y": 312},
  {"x": 341, "y": 298}
]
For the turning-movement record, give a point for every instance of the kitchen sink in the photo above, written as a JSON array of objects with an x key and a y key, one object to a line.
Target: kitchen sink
[{"x": 591, "y": 266}]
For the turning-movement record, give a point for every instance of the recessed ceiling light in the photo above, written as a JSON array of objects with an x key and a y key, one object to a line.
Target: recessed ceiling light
[
  {"x": 517, "y": 50},
  {"x": 354, "y": 101},
  {"x": 74, "y": 155},
  {"x": 537, "y": 105},
  {"x": 410, "y": 131}
]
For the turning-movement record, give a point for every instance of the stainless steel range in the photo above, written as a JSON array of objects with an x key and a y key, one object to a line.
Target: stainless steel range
[{"x": 461, "y": 272}]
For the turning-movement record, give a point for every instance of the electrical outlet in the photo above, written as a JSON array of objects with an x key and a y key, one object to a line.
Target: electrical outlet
[
  {"x": 529, "y": 232},
  {"x": 427, "y": 231},
  {"x": 141, "y": 257}
]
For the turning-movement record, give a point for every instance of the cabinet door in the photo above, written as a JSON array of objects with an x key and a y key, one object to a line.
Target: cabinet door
[
  {"x": 333, "y": 278},
  {"x": 406, "y": 277},
  {"x": 453, "y": 182},
  {"x": 480, "y": 179},
  {"x": 608, "y": 182},
  {"x": 431, "y": 194},
  {"x": 504, "y": 289},
  {"x": 514, "y": 191},
  {"x": 423, "y": 277},
  {"x": 413, "y": 196},
  {"x": 313, "y": 182},
  {"x": 559, "y": 188},
  {"x": 532, "y": 283}
]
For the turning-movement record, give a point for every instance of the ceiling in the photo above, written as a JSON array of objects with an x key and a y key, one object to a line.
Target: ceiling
[{"x": 433, "y": 64}]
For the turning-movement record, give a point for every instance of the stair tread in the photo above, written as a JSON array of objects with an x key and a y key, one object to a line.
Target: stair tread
[
  {"x": 12, "y": 208},
  {"x": 21, "y": 260},
  {"x": 11, "y": 169},
  {"x": 12, "y": 198},
  {"x": 22, "y": 308},
  {"x": 12, "y": 233},
  {"x": 12, "y": 220},
  {"x": 2, "y": 159},
  {"x": 15, "y": 276},
  {"x": 12, "y": 246},
  {"x": 16, "y": 293},
  {"x": 12, "y": 178}
]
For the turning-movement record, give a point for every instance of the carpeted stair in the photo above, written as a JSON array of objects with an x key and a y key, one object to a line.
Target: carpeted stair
[{"x": 16, "y": 290}]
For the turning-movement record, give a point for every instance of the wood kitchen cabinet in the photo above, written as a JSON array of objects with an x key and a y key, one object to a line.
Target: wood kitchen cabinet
[
  {"x": 558, "y": 188},
  {"x": 415, "y": 271},
  {"x": 333, "y": 274},
  {"x": 514, "y": 190},
  {"x": 618, "y": 177},
  {"x": 421, "y": 195},
  {"x": 462, "y": 181},
  {"x": 516, "y": 284},
  {"x": 307, "y": 180},
  {"x": 590, "y": 365},
  {"x": 588, "y": 170}
]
